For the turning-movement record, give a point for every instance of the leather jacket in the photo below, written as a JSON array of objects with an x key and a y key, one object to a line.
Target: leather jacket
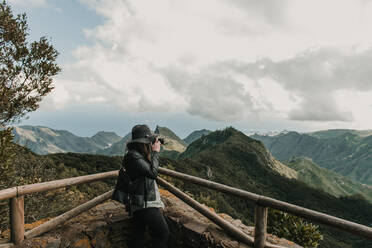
[{"x": 143, "y": 174}]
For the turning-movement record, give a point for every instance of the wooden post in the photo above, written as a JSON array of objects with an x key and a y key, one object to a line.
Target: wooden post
[
  {"x": 17, "y": 219},
  {"x": 260, "y": 226}
]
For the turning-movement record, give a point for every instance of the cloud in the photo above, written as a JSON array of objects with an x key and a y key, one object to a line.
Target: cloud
[
  {"x": 223, "y": 60},
  {"x": 324, "y": 69},
  {"x": 141, "y": 40},
  {"x": 315, "y": 76},
  {"x": 211, "y": 94},
  {"x": 320, "y": 108},
  {"x": 272, "y": 12}
]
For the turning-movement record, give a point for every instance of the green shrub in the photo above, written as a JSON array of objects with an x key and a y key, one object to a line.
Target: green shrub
[{"x": 293, "y": 228}]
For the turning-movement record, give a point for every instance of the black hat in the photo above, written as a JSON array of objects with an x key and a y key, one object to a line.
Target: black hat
[{"x": 142, "y": 134}]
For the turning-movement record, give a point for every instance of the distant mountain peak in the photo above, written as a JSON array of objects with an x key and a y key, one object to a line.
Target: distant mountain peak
[
  {"x": 164, "y": 131},
  {"x": 267, "y": 133},
  {"x": 45, "y": 140},
  {"x": 212, "y": 139},
  {"x": 347, "y": 152},
  {"x": 333, "y": 133},
  {"x": 231, "y": 144},
  {"x": 106, "y": 133},
  {"x": 173, "y": 142},
  {"x": 196, "y": 135}
]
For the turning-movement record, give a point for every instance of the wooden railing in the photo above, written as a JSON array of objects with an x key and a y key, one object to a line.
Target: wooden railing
[
  {"x": 262, "y": 203},
  {"x": 16, "y": 196}
]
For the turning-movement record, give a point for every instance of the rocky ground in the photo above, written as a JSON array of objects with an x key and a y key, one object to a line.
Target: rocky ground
[{"x": 108, "y": 225}]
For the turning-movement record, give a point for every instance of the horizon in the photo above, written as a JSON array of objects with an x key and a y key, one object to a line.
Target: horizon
[
  {"x": 252, "y": 132},
  {"x": 257, "y": 66}
]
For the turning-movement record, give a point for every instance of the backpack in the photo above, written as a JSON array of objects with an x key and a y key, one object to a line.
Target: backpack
[{"x": 123, "y": 190}]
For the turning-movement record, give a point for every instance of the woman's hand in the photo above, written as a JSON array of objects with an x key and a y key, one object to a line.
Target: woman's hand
[{"x": 156, "y": 146}]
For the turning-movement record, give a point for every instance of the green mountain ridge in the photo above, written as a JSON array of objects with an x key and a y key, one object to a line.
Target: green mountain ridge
[
  {"x": 332, "y": 133},
  {"x": 174, "y": 145},
  {"x": 326, "y": 180},
  {"x": 226, "y": 156},
  {"x": 225, "y": 136},
  {"x": 231, "y": 158},
  {"x": 346, "y": 153},
  {"x": 44, "y": 140},
  {"x": 196, "y": 135}
]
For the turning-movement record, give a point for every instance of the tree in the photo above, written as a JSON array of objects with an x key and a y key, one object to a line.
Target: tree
[
  {"x": 26, "y": 70},
  {"x": 26, "y": 75}
]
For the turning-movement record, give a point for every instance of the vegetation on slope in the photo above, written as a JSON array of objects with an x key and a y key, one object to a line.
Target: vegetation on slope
[
  {"x": 28, "y": 168},
  {"x": 44, "y": 140},
  {"x": 227, "y": 156},
  {"x": 196, "y": 135},
  {"x": 347, "y": 154},
  {"x": 326, "y": 180},
  {"x": 231, "y": 158},
  {"x": 332, "y": 133}
]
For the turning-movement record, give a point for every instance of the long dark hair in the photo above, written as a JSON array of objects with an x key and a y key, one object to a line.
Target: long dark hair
[{"x": 144, "y": 149}]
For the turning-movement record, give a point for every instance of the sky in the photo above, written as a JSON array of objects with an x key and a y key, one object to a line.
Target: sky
[{"x": 263, "y": 65}]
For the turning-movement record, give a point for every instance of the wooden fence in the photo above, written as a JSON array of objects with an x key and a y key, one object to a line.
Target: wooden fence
[{"x": 16, "y": 196}]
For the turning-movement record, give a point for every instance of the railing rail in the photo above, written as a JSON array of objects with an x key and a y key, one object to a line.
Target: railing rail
[
  {"x": 52, "y": 185},
  {"x": 262, "y": 203},
  {"x": 16, "y": 196}
]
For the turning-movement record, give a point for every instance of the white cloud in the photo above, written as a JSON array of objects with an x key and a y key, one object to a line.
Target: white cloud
[
  {"x": 211, "y": 94},
  {"x": 313, "y": 78},
  {"x": 58, "y": 98},
  {"x": 289, "y": 58},
  {"x": 359, "y": 103}
]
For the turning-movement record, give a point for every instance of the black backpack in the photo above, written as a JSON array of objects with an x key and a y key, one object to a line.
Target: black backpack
[{"x": 123, "y": 190}]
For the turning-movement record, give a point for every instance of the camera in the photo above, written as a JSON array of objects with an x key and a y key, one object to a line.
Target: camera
[{"x": 162, "y": 140}]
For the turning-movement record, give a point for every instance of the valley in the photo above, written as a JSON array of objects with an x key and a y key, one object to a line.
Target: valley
[{"x": 226, "y": 156}]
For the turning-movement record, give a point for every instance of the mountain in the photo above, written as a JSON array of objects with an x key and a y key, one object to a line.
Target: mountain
[
  {"x": 332, "y": 133},
  {"x": 326, "y": 180},
  {"x": 232, "y": 158},
  {"x": 172, "y": 141},
  {"x": 196, "y": 135},
  {"x": 106, "y": 225},
  {"x": 267, "y": 133},
  {"x": 216, "y": 138},
  {"x": 116, "y": 149},
  {"x": 106, "y": 139},
  {"x": 226, "y": 156},
  {"x": 173, "y": 144},
  {"x": 44, "y": 140},
  {"x": 346, "y": 153}
]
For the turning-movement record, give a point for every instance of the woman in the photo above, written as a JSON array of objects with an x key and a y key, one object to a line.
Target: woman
[{"x": 141, "y": 163}]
